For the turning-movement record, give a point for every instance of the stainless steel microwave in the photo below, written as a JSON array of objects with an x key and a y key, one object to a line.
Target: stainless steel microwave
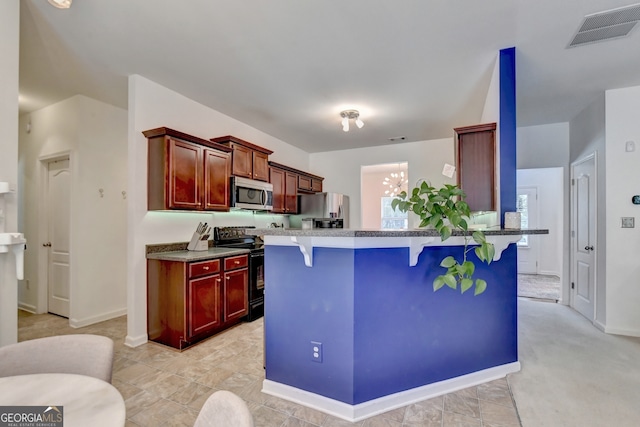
[{"x": 251, "y": 194}]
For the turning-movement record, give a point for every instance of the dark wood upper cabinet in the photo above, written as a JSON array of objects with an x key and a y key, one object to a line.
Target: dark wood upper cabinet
[
  {"x": 260, "y": 166},
  {"x": 248, "y": 160},
  {"x": 277, "y": 180},
  {"x": 186, "y": 172},
  {"x": 476, "y": 165},
  {"x": 291, "y": 192},
  {"x": 285, "y": 194},
  {"x": 217, "y": 170}
]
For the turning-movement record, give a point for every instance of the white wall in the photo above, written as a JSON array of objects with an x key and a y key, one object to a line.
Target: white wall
[
  {"x": 94, "y": 135},
  {"x": 543, "y": 146},
  {"x": 548, "y": 182},
  {"x": 622, "y": 123},
  {"x": 341, "y": 169},
  {"x": 547, "y": 146},
  {"x": 150, "y": 106},
  {"x": 587, "y": 135},
  {"x": 373, "y": 190},
  {"x": 491, "y": 114},
  {"x": 9, "y": 52}
]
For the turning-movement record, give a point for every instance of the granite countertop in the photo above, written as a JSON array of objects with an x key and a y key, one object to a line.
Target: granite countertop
[
  {"x": 183, "y": 255},
  {"x": 348, "y": 232}
]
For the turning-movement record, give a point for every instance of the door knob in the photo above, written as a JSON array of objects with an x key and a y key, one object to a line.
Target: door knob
[
  {"x": 47, "y": 245},
  {"x": 588, "y": 248}
]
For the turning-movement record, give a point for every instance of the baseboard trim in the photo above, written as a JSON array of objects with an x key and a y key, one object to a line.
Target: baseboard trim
[
  {"x": 625, "y": 332},
  {"x": 130, "y": 341},
  {"x": 79, "y": 323},
  {"x": 359, "y": 412},
  {"x": 27, "y": 307},
  {"x": 600, "y": 326},
  {"x": 549, "y": 273}
]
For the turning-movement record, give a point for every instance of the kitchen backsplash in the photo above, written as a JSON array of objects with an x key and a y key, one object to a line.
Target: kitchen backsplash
[
  {"x": 489, "y": 218},
  {"x": 247, "y": 218}
]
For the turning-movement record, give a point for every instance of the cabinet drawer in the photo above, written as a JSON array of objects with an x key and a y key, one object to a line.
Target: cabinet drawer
[
  {"x": 203, "y": 268},
  {"x": 232, "y": 263}
]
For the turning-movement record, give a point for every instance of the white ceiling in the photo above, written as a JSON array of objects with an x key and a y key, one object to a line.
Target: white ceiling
[{"x": 414, "y": 68}]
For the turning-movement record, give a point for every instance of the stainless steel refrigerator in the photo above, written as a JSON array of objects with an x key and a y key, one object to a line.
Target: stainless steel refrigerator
[{"x": 322, "y": 210}]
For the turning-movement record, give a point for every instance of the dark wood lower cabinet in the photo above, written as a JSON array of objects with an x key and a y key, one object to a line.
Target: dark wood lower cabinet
[
  {"x": 204, "y": 305},
  {"x": 190, "y": 301},
  {"x": 236, "y": 302}
]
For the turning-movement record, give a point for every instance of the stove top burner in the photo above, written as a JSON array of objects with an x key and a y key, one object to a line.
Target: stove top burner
[{"x": 235, "y": 237}]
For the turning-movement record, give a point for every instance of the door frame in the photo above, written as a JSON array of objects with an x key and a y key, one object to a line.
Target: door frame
[
  {"x": 572, "y": 254},
  {"x": 535, "y": 249},
  {"x": 43, "y": 230}
]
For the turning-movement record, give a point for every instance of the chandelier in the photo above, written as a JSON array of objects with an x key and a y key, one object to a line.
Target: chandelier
[
  {"x": 395, "y": 182},
  {"x": 350, "y": 115}
]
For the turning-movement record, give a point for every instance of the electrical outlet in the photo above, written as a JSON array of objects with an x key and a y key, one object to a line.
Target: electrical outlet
[
  {"x": 316, "y": 351},
  {"x": 628, "y": 222}
]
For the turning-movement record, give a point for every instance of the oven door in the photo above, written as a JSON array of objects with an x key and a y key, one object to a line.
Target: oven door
[
  {"x": 257, "y": 272},
  {"x": 256, "y": 285}
]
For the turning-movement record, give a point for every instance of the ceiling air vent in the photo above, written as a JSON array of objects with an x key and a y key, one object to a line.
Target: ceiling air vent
[{"x": 607, "y": 25}]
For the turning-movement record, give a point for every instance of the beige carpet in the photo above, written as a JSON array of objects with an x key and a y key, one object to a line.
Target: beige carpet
[
  {"x": 573, "y": 374},
  {"x": 539, "y": 286}
]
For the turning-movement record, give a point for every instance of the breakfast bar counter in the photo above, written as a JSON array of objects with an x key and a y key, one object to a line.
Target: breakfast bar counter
[{"x": 354, "y": 328}]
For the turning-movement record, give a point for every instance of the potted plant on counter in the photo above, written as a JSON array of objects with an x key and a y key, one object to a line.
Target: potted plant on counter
[{"x": 444, "y": 209}]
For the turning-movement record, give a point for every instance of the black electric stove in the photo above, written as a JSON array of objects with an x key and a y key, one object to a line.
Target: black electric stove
[{"x": 235, "y": 237}]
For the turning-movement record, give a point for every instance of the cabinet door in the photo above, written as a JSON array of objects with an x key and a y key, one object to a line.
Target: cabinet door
[
  {"x": 236, "y": 294},
  {"x": 304, "y": 183},
  {"x": 278, "y": 182},
  {"x": 476, "y": 166},
  {"x": 291, "y": 193},
  {"x": 316, "y": 185},
  {"x": 242, "y": 161},
  {"x": 203, "y": 310},
  {"x": 260, "y": 166},
  {"x": 185, "y": 175},
  {"x": 217, "y": 169}
]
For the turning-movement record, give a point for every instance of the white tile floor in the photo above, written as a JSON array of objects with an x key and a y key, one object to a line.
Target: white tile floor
[{"x": 163, "y": 387}]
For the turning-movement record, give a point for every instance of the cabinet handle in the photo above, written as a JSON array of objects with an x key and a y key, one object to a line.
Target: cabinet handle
[
  {"x": 236, "y": 262},
  {"x": 205, "y": 267}
]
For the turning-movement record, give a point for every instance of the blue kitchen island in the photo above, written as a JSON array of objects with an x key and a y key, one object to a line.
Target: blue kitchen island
[{"x": 353, "y": 327}]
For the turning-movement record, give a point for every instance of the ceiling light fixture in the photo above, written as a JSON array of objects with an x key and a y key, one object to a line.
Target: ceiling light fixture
[
  {"x": 396, "y": 183},
  {"x": 350, "y": 115},
  {"x": 61, "y": 4}
]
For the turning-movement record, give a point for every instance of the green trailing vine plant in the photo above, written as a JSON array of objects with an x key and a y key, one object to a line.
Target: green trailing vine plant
[{"x": 445, "y": 210}]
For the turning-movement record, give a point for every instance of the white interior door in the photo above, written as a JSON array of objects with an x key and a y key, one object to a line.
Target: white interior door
[
  {"x": 583, "y": 184},
  {"x": 528, "y": 246},
  {"x": 58, "y": 244}
]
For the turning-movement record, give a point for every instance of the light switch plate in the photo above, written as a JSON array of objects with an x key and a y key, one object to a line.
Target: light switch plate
[{"x": 628, "y": 222}]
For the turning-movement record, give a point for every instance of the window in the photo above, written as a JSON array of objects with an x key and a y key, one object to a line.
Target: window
[
  {"x": 523, "y": 208},
  {"x": 390, "y": 218}
]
